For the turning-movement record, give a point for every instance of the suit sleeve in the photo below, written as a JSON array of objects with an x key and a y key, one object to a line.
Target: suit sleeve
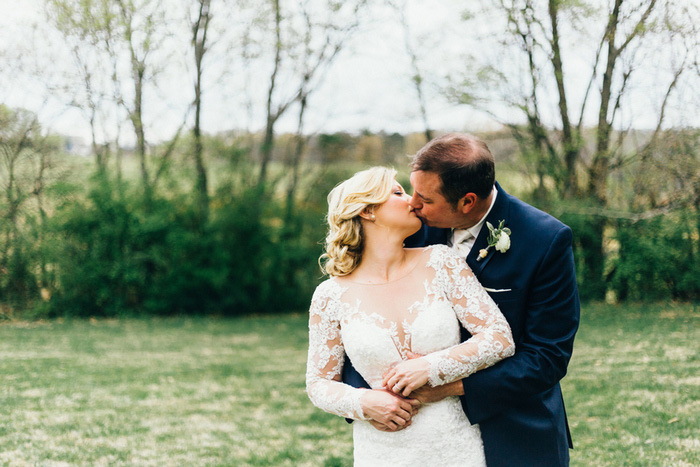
[{"x": 544, "y": 349}]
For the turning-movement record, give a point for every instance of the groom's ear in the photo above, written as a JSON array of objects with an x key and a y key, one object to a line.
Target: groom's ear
[{"x": 467, "y": 203}]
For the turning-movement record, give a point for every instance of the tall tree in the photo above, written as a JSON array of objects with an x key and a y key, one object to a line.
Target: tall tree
[
  {"x": 18, "y": 131},
  {"x": 87, "y": 29},
  {"x": 532, "y": 69},
  {"x": 308, "y": 36},
  {"x": 313, "y": 63},
  {"x": 200, "y": 28},
  {"x": 26, "y": 158},
  {"x": 417, "y": 76},
  {"x": 118, "y": 48}
]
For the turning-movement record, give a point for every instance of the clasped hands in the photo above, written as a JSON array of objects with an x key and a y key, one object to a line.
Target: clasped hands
[
  {"x": 408, "y": 375},
  {"x": 405, "y": 389}
]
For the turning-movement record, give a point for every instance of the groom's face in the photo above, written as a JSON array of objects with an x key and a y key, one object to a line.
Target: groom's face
[{"x": 430, "y": 205}]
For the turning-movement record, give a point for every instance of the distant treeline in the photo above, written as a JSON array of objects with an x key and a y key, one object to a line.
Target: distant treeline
[{"x": 86, "y": 239}]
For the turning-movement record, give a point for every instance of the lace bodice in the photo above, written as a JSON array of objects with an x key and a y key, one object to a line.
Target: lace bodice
[{"x": 376, "y": 326}]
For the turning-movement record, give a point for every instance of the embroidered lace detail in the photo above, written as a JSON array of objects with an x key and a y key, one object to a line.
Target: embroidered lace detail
[
  {"x": 376, "y": 326},
  {"x": 491, "y": 337}
]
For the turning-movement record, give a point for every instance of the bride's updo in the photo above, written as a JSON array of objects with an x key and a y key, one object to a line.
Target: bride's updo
[{"x": 346, "y": 202}]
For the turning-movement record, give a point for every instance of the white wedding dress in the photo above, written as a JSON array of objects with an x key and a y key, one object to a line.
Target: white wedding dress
[{"x": 376, "y": 325}]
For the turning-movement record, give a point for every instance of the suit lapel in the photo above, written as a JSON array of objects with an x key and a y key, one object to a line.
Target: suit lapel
[{"x": 499, "y": 212}]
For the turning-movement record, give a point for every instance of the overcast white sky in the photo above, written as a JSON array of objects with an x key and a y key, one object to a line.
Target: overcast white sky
[{"x": 368, "y": 87}]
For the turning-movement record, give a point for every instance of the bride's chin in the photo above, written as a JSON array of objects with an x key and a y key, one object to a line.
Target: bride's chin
[{"x": 413, "y": 228}]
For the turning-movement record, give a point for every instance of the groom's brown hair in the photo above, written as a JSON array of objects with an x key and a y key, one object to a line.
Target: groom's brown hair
[{"x": 463, "y": 162}]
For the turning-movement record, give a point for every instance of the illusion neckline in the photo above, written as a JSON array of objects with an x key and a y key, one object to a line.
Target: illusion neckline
[{"x": 375, "y": 284}]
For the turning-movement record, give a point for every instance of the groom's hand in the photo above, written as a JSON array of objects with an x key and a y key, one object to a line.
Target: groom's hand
[
  {"x": 388, "y": 411},
  {"x": 427, "y": 394}
]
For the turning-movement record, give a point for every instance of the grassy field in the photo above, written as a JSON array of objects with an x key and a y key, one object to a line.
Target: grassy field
[{"x": 196, "y": 392}]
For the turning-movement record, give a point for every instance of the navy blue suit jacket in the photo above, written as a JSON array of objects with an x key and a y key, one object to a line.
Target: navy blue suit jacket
[{"x": 518, "y": 402}]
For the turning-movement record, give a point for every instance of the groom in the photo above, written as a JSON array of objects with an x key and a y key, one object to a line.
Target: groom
[{"x": 518, "y": 402}]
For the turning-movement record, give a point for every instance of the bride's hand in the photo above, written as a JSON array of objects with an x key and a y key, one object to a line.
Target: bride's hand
[
  {"x": 407, "y": 376},
  {"x": 389, "y": 411}
]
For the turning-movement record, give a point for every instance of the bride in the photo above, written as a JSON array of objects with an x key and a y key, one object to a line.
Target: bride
[{"x": 383, "y": 301}]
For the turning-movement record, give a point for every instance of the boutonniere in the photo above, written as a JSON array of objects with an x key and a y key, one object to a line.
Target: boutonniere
[{"x": 499, "y": 238}]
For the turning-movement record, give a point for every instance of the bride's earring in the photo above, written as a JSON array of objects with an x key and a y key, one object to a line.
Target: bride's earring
[{"x": 373, "y": 218}]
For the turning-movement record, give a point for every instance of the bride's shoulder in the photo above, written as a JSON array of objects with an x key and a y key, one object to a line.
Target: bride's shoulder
[
  {"x": 330, "y": 288},
  {"x": 326, "y": 301}
]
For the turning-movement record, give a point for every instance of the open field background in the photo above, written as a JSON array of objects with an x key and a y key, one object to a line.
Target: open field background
[{"x": 230, "y": 392}]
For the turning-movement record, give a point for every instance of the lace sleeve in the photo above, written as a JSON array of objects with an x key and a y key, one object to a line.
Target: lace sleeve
[
  {"x": 491, "y": 339},
  {"x": 326, "y": 357}
]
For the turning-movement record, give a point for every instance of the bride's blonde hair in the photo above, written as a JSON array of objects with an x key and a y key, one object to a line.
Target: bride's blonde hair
[{"x": 345, "y": 240}]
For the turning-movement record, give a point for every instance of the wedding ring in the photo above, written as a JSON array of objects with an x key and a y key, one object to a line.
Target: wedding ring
[{"x": 396, "y": 388}]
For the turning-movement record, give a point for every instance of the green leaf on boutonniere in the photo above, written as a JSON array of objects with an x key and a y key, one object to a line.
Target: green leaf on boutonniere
[{"x": 499, "y": 238}]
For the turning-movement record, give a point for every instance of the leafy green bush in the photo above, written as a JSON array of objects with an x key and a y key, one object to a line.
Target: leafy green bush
[
  {"x": 100, "y": 268},
  {"x": 590, "y": 263},
  {"x": 119, "y": 256},
  {"x": 657, "y": 259}
]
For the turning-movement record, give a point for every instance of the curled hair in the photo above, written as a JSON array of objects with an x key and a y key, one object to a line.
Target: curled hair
[
  {"x": 463, "y": 162},
  {"x": 345, "y": 239}
]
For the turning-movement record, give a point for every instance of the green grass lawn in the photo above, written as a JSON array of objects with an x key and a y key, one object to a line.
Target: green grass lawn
[{"x": 196, "y": 392}]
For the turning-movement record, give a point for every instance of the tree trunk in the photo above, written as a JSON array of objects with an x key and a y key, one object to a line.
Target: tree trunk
[
  {"x": 295, "y": 164},
  {"x": 100, "y": 157},
  {"x": 592, "y": 241},
  {"x": 601, "y": 161},
  {"x": 39, "y": 186},
  {"x": 138, "y": 70},
  {"x": 199, "y": 39},
  {"x": 137, "y": 121},
  {"x": 272, "y": 115},
  {"x": 571, "y": 147}
]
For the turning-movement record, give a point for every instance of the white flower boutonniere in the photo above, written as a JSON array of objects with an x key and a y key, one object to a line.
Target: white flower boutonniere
[{"x": 499, "y": 238}]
